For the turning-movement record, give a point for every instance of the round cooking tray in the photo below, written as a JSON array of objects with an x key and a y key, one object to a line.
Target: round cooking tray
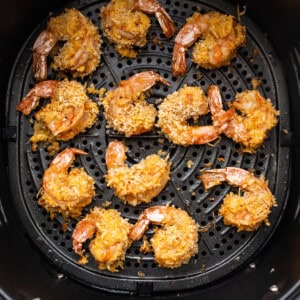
[{"x": 221, "y": 248}]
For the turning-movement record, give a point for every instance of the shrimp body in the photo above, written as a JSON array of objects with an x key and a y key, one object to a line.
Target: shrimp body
[
  {"x": 69, "y": 112},
  {"x": 178, "y": 108},
  {"x": 63, "y": 191},
  {"x": 247, "y": 211},
  {"x": 80, "y": 55},
  {"x": 220, "y": 34},
  {"x": 125, "y": 107},
  {"x": 125, "y": 23},
  {"x": 176, "y": 241},
  {"x": 256, "y": 118},
  {"x": 108, "y": 232},
  {"x": 139, "y": 183}
]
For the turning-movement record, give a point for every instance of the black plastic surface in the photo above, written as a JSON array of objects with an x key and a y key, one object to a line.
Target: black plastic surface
[{"x": 222, "y": 249}]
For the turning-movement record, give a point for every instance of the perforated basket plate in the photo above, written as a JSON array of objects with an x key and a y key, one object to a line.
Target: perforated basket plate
[{"x": 221, "y": 248}]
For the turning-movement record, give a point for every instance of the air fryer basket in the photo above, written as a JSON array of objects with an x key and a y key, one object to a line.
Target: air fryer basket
[{"x": 221, "y": 248}]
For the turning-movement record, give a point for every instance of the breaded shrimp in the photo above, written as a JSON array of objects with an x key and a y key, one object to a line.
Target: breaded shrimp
[
  {"x": 220, "y": 34},
  {"x": 186, "y": 103},
  {"x": 69, "y": 112},
  {"x": 177, "y": 239},
  {"x": 65, "y": 192},
  {"x": 125, "y": 24},
  {"x": 125, "y": 107},
  {"x": 247, "y": 211},
  {"x": 80, "y": 54},
  {"x": 111, "y": 241},
  {"x": 257, "y": 117},
  {"x": 139, "y": 183}
]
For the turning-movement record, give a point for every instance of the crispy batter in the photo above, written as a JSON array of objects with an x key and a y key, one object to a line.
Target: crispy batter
[
  {"x": 220, "y": 43},
  {"x": 176, "y": 241},
  {"x": 177, "y": 109},
  {"x": 111, "y": 241},
  {"x": 220, "y": 34},
  {"x": 253, "y": 118},
  {"x": 125, "y": 24},
  {"x": 66, "y": 192},
  {"x": 80, "y": 55},
  {"x": 126, "y": 108},
  {"x": 247, "y": 211},
  {"x": 69, "y": 112},
  {"x": 139, "y": 183}
]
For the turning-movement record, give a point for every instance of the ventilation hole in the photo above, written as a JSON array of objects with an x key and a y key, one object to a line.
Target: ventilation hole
[
  {"x": 217, "y": 246},
  {"x": 203, "y": 253},
  {"x": 221, "y": 253},
  {"x": 224, "y": 241},
  {"x": 128, "y": 264}
]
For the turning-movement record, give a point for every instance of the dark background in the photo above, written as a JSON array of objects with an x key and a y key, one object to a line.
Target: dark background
[{"x": 25, "y": 274}]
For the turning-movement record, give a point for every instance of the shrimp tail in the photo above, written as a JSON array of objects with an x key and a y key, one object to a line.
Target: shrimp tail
[
  {"x": 165, "y": 21},
  {"x": 41, "y": 49},
  {"x": 139, "y": 229},
  {"x": 234, "y": 176},
  {"x": 115, "y": 154},
  {"x": 83, "y": 231},
  {"x": 44, "y": 89},
  {"x": 65, "y": 158},
  {"x": 178, "y": 60},
  {"x": 154, "y": 215}
]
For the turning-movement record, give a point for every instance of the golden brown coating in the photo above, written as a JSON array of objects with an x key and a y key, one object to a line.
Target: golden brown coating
[
  {"x": 126, "y": 108},
  {"x": 221, "y": 36},
  {"x": 80, "y": 55},
  {"x": 139, "y": 183},
  {"x": 178, "y": 108},
  {"x": 70, "y": 112},
  {"x": 176, "y": 241},
  {"x": 220, "y": 42},
  {"x": 66, "y": 192},
  {"x": 108, "y": 232},
  {"x": 247, "y": 211},
  {"x": 125, "y": 23},
  {"x": 254, "y": 117}
]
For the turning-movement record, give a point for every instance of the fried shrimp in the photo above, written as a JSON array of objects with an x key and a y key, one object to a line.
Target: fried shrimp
[
  {"x": 125, "y": 24},
  {"x": 257, "y": 117},
  {"x": 69, "y": 112},
  {"x": 125, "y": 107},
  {"x": 247, "y": 211},
  {"x": 66, "y": 192},
  {"x": 111, "y": 241},
  {"x": 139, "y": 183},
  {"x": 221, "y": 36},
  {"x": 178, "y": 108},
  {"x": 177, "y": 239},
  {"x": 80, "y": 55}
]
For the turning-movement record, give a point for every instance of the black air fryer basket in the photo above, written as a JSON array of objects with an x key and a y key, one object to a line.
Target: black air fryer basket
[{"x": 256, "y": 264}]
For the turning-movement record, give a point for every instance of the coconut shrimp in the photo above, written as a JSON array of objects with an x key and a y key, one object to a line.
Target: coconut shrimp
[
  {"x": 125, "y": 107},
  {"x": 177, "y": 239},
  {"x": 80, "y": 55},
  {"x": 182, "y": 105},
  {"x": 69, "y": 112},
  {"x": 109, "y": 234},
  {"x": 63, "y": 191},
  {"x": 257, "y": 117},
  {"x": 125, "y": 24},
  {"x": 221, "y": 36},
  {"x": 139, "y": 183},
  {"x": 247, "y": 211}
]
